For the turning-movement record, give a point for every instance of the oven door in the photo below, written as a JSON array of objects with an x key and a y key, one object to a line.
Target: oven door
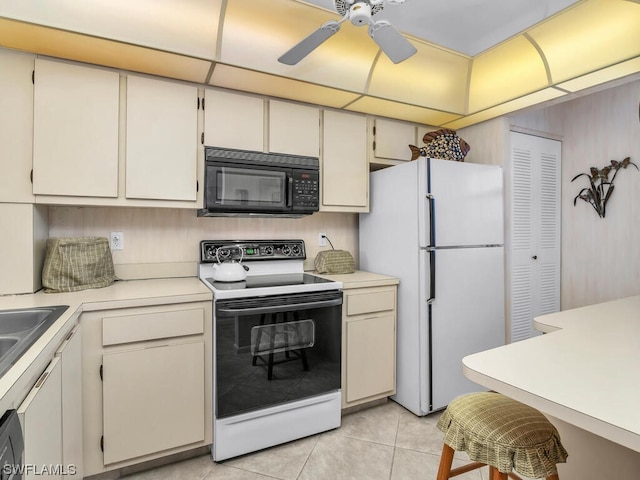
[
  {"x": 247, "y": 188},
  {"x": 276, "y": 349}
]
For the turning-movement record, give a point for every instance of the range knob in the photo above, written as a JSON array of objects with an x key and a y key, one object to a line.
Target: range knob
[
  {"x": 268, "y": 250},
  {"x": 286, "y": 250},
  {"x": 210, "y": 252},
  {"x": 296, "y": 250}
]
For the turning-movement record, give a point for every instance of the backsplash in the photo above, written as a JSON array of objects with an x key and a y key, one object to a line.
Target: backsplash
[{"x": 159, "y": 235}]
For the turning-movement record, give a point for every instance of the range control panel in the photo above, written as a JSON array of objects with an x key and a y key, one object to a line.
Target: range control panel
[{"x": 212, "y": 251}]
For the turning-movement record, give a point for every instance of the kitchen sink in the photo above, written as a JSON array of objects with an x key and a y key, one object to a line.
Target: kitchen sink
[
  {"x": 20, "y": 328},
  {"x": 21, "y": 320},
  {"x": 6, "y": 344}
]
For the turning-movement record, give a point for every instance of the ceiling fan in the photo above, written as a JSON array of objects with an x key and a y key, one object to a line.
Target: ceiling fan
[{"x": 358, "y": 12}]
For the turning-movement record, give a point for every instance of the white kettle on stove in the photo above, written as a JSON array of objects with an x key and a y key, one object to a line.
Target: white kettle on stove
[{"x": 229, "y": 269}]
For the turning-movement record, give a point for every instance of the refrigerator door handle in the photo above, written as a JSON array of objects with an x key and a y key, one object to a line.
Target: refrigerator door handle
[
  {"x": 432, "y": 219},
  {"x": 432, "y": 275}
]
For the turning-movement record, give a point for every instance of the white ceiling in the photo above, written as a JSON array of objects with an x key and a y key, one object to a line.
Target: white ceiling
[{"x": 465, "y": 26}]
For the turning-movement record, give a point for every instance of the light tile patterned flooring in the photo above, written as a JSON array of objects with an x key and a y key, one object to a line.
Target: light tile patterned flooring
[{"x": 385, "y": 442}]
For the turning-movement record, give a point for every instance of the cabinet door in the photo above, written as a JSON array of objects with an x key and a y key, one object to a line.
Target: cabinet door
[
  {"x": 233, "y": 120},
  {"x": 70, "y": 353},
  {"x": 41, "y": 418},
  {"x": 345, "y": 170},
  {"x": 153, "y": 400},
  {"x": 162, "y": 136},
  {"x": 392, "y": 139},
  {"x": 22, "y": 252},
  {"x": 294, "y": 129},
  {"x": 371, "y": 359},
  {"x": 75, "y": 144},
  {"x": 16, "y": 126},
  {"x": 534, "y": 269}
]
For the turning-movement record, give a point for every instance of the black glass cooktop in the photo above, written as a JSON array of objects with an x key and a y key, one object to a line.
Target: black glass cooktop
[{"x": 262, "y": 281}]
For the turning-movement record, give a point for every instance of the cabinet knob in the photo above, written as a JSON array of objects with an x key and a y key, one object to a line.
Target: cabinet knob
[{"x": 535, "y": 257}]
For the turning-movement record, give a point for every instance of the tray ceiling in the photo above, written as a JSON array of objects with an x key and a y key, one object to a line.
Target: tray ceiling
[{"x": 477, "y": 59}]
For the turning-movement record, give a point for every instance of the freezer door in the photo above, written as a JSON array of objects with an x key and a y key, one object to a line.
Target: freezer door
[
  {"x": 467, "y": 316},
  {"x": 467, "y": 201}
]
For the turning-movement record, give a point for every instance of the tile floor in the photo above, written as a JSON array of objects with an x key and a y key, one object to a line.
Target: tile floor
[{"x": 385, "y": 442}]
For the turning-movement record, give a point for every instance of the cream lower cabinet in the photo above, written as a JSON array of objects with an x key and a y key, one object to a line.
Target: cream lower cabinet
[
  {"x": 41, "y": 418},
  {"x": 51, "y": 416},
  {"x": 147, "y": 383},
  {"x": 70, "y": 355},
  {"x": 153, "y": 400},
  {"x": 369, "y": 344}
]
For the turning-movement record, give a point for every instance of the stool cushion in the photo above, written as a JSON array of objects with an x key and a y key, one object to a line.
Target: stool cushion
[{"x": 498, "y": 431}]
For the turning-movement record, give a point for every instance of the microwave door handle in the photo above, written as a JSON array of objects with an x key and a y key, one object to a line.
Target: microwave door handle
[{"x": 289, "y": 190}]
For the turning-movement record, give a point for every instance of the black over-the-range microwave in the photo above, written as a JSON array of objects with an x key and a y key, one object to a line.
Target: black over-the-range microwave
[{"x": 246, "y": 183}]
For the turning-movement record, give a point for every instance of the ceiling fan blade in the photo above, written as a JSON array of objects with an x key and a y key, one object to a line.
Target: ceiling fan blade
[
  {"x": 391, "y": 41},
  {"x": 309, "y": 44}
]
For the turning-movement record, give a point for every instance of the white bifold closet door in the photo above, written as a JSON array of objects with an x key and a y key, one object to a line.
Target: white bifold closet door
[{"x": 534, "y": 231}]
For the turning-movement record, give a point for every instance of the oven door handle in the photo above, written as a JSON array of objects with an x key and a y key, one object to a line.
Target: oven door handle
[{"x": 278, "y": 308}]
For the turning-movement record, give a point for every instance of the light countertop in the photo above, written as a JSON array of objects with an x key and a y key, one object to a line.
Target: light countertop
[
  {"x": 586, "y": 371},
  {"x": 15, "y": 383},
  {"x": 360, "y": 279}
]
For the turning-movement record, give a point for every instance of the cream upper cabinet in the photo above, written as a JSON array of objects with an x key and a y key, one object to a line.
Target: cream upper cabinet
[
  {"x": 16, "y": 126},
  {"x": 75, "y": 144},
  {"x": 294, "y": 129},
  {"x": 344, "y": 167},
  {"x": 162, "y": 139},
  {"x": 390, "y": 140},
  {"x": 233, "y": 120}
]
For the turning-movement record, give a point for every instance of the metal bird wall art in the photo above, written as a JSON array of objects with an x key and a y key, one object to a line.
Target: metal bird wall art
[{"x": 600, "y": 187}]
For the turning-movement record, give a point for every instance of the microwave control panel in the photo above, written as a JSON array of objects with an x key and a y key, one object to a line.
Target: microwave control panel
[{"x": 306, "y": 189}]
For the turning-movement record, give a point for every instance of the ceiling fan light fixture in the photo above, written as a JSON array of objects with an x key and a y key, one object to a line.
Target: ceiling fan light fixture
[{"x": 360, "y": 14}]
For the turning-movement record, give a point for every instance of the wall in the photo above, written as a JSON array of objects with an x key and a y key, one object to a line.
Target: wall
[
  {"x": 600, "y": 258},
  {"x": 172, "y": 236},
  {"x": 488, "y": 141}
]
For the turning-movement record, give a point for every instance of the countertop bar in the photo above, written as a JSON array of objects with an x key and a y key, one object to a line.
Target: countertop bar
[{"x": 585, "y": 371}]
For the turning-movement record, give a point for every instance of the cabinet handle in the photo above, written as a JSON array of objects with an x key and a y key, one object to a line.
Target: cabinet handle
[{"x": 41, "y": 380}]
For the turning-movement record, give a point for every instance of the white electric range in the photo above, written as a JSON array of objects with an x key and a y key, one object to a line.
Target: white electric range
[{"x": 277, "y": 339}]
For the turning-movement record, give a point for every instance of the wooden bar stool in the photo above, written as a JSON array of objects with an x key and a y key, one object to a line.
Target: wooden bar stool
[{"x": 502, "y": 433}]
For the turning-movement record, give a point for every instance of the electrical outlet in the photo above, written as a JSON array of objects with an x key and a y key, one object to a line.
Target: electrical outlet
[
  {"x": 322, "y": 239},
  {"x": 117, "y": 241}
]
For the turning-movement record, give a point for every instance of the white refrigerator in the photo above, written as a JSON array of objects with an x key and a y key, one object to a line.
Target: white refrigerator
[{"x": 437, "y": 225}]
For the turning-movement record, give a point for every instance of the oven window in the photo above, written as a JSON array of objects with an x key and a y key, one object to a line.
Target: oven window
[
  {"x": 268, "y": 355},
  {"x": 249, "y": 187}
]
